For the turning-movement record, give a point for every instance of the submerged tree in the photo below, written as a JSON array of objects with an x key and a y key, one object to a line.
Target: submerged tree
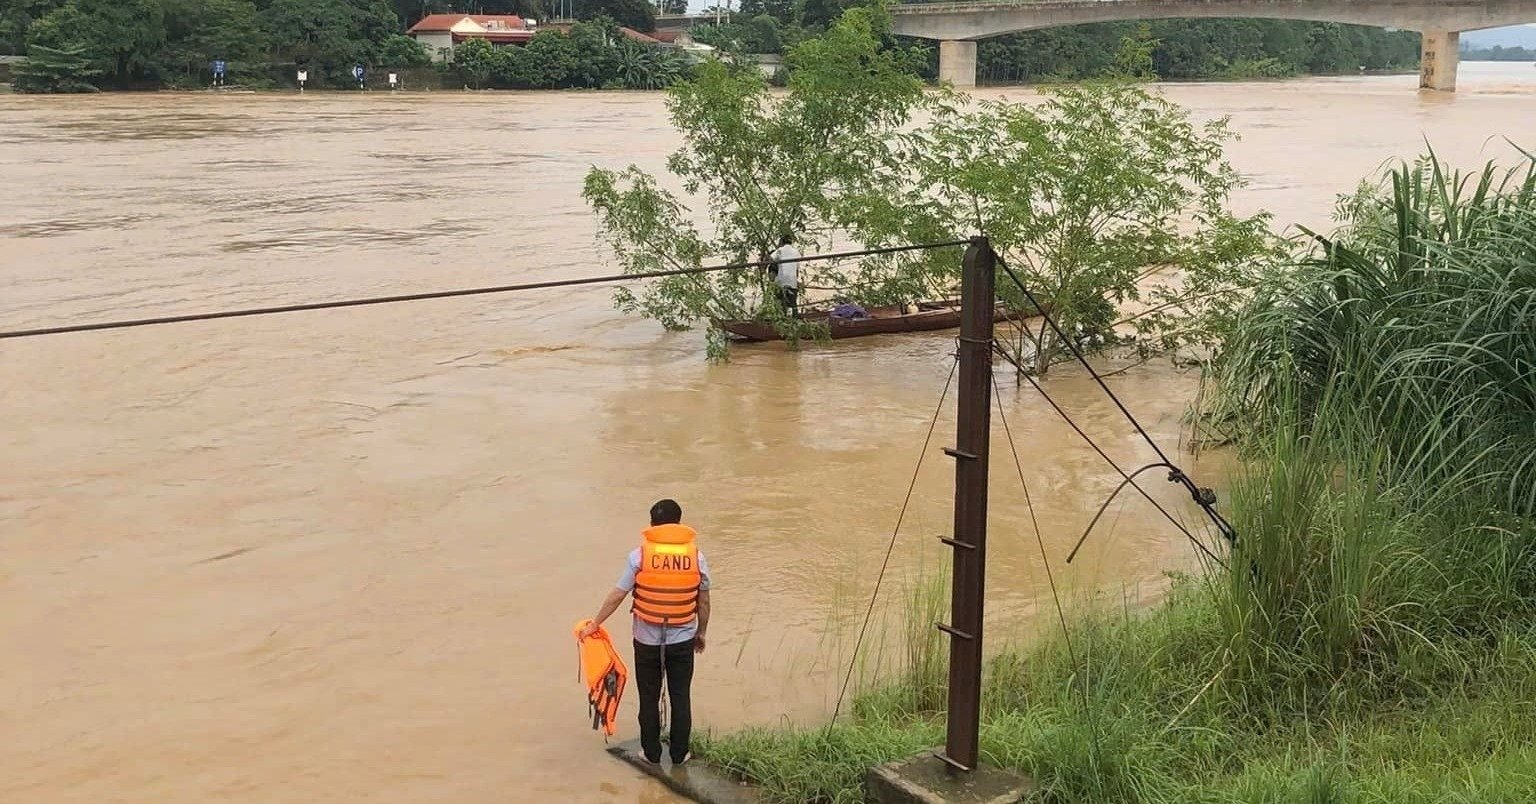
[
  {"x": 1106, "y": 199},
  {"x": 1109, "y": 203},
  {"x": 763, "y": 165}
]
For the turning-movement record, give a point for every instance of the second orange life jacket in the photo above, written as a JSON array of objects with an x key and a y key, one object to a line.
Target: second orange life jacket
[
  {"x": 605, "y": 676},
  {"x": 667, "y": 585}
]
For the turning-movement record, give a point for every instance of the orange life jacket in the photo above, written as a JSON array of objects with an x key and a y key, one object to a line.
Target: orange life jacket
[
  {"x": 667, "y": 585},
  {"x": 605, "y": 676}
]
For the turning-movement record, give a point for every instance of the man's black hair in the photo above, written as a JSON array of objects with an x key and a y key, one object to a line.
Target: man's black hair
[
  {"x": 785, "y": 239},
  {"x": 666, "y": 512}
]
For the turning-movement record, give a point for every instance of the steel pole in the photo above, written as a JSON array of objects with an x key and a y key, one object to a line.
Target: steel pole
[{"x": 978, "y": 301}]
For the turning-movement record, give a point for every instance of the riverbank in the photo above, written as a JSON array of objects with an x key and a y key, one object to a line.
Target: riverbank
[
  {"x": 421, "y": 88},
  {"x": 1373, "y": 637},
  {"x": 1149, "y": 728}
]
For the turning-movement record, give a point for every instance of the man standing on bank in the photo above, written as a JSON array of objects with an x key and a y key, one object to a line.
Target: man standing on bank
[{"x": 670, "y": 582}]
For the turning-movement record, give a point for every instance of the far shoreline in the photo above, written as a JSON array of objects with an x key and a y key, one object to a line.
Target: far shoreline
[{"x": 8, "y": 89}]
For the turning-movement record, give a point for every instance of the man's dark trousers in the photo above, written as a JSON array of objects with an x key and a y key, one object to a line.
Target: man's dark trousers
[{"x": 675, "y": 663}]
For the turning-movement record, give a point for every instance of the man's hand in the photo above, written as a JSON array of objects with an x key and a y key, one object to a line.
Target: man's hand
[
  {"x": 610, "y": 604},
  {"x": 698, "y": 644}
]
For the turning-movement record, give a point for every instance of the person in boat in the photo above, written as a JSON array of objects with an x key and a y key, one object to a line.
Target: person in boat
[
  {"x": 670, "y": 582},
  {"x": 786, "y": 275}
]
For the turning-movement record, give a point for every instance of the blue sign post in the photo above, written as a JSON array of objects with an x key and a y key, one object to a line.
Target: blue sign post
[
  {"x": 358, "y": 72},
  {"x": 218, "y": 72}
]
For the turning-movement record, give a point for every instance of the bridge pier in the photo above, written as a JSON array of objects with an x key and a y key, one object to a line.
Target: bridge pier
[
  {"x": 1440, "y": 60},
  {"x": 957, "y": 62}
]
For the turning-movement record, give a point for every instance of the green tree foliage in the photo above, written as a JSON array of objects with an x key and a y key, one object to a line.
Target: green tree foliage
[
  {"x": 123, "y": 39},
  {"x": 759, "y": 34},
  {"x": 61, "y": 28},
  {"x": 56, "y": 70},
  {"x": 475, "y": 61},
  {"x": 594, "y": 54},
  {"x": 639, "y": 15},
  {"x": 1106, "y": 199},
  {"x": 156, "y": 42},
  {"x": 640, "y": 67},
  {"x": 818, "y": 14},
  {"x": 330, "y": 35},
  {"x": 1186, "y": 49},
  {"x": 17, "y": 18},
  {"x": 763, "y": 165},
  {"x": 200, "y": 31},
  {"x": 1500, "y": 53},
  {"x": 550, "y": 59},
  {"x": 1135, "y": 61},
  {"x": 403, "y": 51},
  {"x": 782, "y": 11}
]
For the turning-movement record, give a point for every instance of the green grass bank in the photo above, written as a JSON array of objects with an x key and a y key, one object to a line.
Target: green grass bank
[{"x": 1374, "y": 637}]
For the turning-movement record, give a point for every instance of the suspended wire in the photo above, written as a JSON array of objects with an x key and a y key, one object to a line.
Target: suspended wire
[
  {"x": 1102, "y": 454},
  {"x": 1077, "y": 353},
  {"x": 449, "y": 294},
  {"x": 1205, "y": 498},
  {"x": 1045, "y": 560},
  {"x": 891, "y": 546},
  {"x": 1111, "y": 498}
]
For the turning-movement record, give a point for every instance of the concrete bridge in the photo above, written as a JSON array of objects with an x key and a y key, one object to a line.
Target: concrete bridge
[{"x": 958, "y": 25}]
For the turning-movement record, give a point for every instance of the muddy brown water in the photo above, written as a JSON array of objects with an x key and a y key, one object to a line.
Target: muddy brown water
[{"x": 336, "y": 556}]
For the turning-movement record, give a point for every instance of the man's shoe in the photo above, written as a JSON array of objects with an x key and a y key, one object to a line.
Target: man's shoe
[
  {"x": 647, "y": 760},
  {"x": 678, "y": 763}
]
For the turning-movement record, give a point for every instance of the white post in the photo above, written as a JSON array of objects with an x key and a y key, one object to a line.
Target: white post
[
  {"x": 957, "y": 63},
  {"x": 1440, "y": 60}
]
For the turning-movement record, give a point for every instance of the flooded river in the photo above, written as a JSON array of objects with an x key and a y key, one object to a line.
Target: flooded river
[{"x": 336, "y": 556}]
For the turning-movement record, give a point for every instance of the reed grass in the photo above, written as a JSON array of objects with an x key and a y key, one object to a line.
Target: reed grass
[{"x": 1374, "y": 639}]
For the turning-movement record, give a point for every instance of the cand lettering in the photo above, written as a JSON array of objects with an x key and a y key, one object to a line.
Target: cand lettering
[{"x": 677, "y": 563}]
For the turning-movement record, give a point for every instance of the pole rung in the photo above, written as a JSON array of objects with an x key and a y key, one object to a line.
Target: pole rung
[
  {"x": 953, "y": 632},
  {"x": 957, "y": 544},
  {"x": 943, "y": 757},
  {"x": 955, "y": 453}
]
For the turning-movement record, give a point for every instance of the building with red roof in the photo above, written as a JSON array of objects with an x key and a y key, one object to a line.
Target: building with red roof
[{"x": 440, "y": 32}]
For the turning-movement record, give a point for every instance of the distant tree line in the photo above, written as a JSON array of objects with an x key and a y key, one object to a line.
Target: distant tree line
[
  {"x": 1499, "y": 53},
  {"x": 86, "y": 45},
  {"x": 1182, "y": 49},
  {"x": 1185, "y": 49},
  {"x": 82, "y": 45}
]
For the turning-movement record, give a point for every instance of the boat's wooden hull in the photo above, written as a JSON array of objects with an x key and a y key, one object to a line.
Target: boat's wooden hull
[{"x": 930, "y": 316}]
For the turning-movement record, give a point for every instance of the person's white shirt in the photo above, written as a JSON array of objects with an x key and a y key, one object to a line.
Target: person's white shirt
[{"x": 787, "y": 257}]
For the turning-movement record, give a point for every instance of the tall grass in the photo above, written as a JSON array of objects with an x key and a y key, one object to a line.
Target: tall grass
[
  {"x": 1374, "y": 639},
  {"x": 1389, "y": 385},
  {"x": 1418, "y": 320}
]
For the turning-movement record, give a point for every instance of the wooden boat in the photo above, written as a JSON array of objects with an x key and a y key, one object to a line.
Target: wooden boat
[{"x": 929, "y": 316}]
